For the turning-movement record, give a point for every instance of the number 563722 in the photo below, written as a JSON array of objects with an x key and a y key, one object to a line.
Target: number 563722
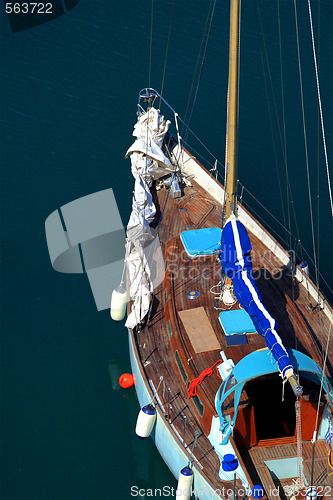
[{"x": 28, "y": 8}]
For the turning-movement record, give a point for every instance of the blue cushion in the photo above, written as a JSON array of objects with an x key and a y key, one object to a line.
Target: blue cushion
[
  {"x": 201, "y": 241},
  {"x": 235, "y": 340},
  {"x": 236, "y": 322}
]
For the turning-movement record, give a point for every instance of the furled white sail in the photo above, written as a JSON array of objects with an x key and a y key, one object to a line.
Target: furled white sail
[{"x": 148, "y": 163}]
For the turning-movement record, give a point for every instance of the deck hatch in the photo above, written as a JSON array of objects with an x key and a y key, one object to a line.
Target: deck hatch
[{"x": 199, "y": 329}]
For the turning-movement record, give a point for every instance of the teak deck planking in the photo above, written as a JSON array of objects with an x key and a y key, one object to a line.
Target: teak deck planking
[{"x": 301, "y": 325}]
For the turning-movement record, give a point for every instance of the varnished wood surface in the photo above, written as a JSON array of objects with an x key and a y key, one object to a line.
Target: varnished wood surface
[
  {"x": 255, "y": 458},
  {"x": 199, "y": 330},
  {"x": 164, "y": 339}
]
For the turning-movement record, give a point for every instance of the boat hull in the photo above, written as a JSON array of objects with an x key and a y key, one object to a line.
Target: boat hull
[{"x": 165, "y": 438}]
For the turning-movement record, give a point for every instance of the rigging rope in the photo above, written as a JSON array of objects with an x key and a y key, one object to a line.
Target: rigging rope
[
  {"x": 320, "y": 108},
  {"x": 299, "y": 443},
  {"x": 314, "y": 438},
  {"x": 167, "y": 50},
  {"x": 200, "y": 73},
  {"x": 258, "y": 18},
  {"x": 264, "y": 221},
  {"x": 328, "y": 439},
  {"x": 283, "y": 143},
  {"x": 200, "y": 142},
  {"x": 284, "y": 121},
  {"x": 192, "y": 388},
  {"x": 322, "y": 381},
  {"x": 196, "y": 68},
  {"x": 306, "y": 149},
  {"x": 151, "y": 40}
]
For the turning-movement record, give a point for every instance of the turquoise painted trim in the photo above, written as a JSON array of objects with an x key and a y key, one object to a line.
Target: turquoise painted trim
[
  {"x": 166, "y": 442},
  {"x": 283, "y": 468},
  {"x": 259, "y": 363}
]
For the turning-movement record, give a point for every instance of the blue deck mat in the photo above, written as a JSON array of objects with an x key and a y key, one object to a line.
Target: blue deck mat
[
  {"x": 236, "y": 322},
  {"x": 201, "y": 241},
  {"x": 232, "y": 340}
]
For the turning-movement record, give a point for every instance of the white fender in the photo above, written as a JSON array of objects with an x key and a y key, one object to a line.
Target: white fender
[
  {"x": 185, "y": 481},
  {"x": 118, "y": 304},
  {"x": 146, "y": 421}
]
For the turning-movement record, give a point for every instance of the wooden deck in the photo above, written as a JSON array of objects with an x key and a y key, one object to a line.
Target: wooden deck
[
  {"x": 166, "y": 346},
  {"x": 255, "y": 458}
]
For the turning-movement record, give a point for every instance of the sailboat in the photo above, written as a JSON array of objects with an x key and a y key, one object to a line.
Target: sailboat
[{"x": 229, "y": 338}]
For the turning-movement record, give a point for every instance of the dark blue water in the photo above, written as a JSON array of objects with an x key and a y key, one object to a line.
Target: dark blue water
[{"x": 69, "y": 91}]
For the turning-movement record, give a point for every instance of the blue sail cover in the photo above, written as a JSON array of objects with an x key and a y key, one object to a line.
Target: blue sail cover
[{"x": 236, "y": 262}]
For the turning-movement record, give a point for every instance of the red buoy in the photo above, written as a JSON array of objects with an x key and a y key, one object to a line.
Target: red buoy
[{"x": 126, "y": 380}]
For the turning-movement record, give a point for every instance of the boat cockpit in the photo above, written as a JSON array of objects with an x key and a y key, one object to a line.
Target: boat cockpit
[{"x": 258, "y": 408}]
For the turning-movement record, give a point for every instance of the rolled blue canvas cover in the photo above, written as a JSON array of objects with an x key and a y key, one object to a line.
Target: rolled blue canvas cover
[{"x": 236, "y": 262}]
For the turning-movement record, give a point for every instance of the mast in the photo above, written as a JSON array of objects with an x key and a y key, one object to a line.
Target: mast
[
  {"x": 232, "y": 107},
  {"x": 228, "y": 296}
]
